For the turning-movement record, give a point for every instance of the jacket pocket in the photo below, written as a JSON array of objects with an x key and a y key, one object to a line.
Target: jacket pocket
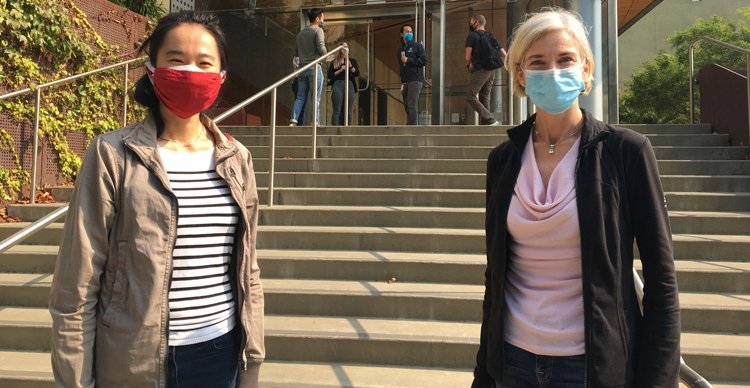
[{"x": 119, "y": 288}]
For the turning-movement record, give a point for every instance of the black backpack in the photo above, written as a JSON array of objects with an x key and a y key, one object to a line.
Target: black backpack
[{"x": 489, "y": 55}]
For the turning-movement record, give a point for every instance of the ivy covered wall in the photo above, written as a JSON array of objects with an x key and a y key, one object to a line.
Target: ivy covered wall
[{"x": 41, "y": 41}]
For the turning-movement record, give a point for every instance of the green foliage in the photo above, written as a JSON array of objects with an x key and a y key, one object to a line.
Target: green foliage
[
  {"x": 44, "y": 41},
  {"x": 658, "y": 92},
  {"x": 659, "y": 83},
  {"x": 12, "y": 179},
  {"x": 148, "y": 8}
]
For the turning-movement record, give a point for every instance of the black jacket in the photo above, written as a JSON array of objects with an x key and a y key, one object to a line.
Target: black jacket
[
  {"x": 353, "y": 74},
  {"x": 413, "y": 69},
  {"x": 619, "y": 198}
]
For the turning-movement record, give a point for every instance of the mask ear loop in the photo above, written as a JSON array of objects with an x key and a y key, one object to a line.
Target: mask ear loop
[{"x": 150, "y": 71}]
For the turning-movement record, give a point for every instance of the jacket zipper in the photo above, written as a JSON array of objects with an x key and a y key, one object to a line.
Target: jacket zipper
[
  {"x": 151, "y": 165},
  {"x": 584, "y": 271},
  {"x": 239, "y": 256}
]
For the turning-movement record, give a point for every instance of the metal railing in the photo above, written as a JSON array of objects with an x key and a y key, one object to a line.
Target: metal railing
[
  {"x": 688, "y": 376},
  {"x": 691, "y": 63},
  {"x": 32, "y": 229},
  {"x": 38, "y": 90},
  {"x": 272, "y": 89}
]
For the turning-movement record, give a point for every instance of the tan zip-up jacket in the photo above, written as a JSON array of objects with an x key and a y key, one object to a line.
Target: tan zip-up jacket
[{"x": 109, "y": 294}]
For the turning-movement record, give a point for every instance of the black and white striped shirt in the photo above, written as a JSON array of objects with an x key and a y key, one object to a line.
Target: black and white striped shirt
[{"x": 201, "y": 303}]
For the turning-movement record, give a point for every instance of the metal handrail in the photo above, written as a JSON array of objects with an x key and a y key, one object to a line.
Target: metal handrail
[
  {"x": 40, "y": 224},
  {"x": 38, "y": 89},
  {"x": 32, "y": 229},
  {"x": 691, "y": 63},
  {"x": 688, "y": 376},
  {"x": 272, "y": 89}
]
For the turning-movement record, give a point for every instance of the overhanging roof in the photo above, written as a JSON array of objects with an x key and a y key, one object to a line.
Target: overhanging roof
[{"x": 630, "y": 11}]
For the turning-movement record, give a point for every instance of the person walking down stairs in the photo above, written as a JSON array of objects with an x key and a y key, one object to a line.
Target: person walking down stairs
[
  {"x": 157, "y": 282},
  {"x": 566, "y": 196},
  {"x": 483, "y": 57}
]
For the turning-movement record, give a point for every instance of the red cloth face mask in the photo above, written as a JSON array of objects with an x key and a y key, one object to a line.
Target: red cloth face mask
[{"x": 185, "y": 90}]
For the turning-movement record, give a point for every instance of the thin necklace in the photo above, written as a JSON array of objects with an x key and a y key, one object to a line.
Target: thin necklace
[
  {"x": 190, "y": 144},
  {"x": 551, "y": 149}
]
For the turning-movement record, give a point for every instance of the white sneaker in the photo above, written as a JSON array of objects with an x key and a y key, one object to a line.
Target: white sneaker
[{"x": 494, "y": 123}]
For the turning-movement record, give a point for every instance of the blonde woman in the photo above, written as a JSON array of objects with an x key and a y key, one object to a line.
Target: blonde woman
[
  {"x": 336, "y": 78},
  {"x": 566, "y": 197}
]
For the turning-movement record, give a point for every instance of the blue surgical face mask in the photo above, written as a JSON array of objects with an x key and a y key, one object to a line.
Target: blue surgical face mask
[
  {"x": 555, "y": 90},
  {"x": 409, "y": 36}
]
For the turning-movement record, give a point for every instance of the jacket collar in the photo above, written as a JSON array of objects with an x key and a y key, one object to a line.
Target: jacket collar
[
  {"x": 593, "y": 130},
  {"x": 143, "y": 139}
]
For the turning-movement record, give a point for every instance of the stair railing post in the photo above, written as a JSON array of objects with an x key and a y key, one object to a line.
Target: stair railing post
[
  {"x": 125, "y": 96},
  {"x": 691, "y": 63},
  {"x": 747, "y": 74},
  {"x": 346, "y": 89},
  {"x": 35, "y": 154},
  {"x": 315, "y": 111},
  {"x": 272, "y": 162}
]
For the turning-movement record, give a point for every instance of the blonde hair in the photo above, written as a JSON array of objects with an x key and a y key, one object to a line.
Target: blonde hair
[{"x": 536, "y": 25}]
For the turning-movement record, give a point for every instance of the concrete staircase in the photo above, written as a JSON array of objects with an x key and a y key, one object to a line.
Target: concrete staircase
[{"x": 373, "y": 257}]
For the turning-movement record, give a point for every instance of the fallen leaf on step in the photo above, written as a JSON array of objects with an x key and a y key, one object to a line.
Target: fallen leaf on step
[
  {"x": 45, "y": 196},
  {"x": 391, "y": 280},
  {"x": 5, "y": 218}
]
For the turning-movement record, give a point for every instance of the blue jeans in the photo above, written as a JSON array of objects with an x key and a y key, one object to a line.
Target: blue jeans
[
  {"x": 528, "y": 370},
  {"x": 213, "y": 363},
  {"x": 337, "y": 100},
  {"x": 304, "y": 80}
]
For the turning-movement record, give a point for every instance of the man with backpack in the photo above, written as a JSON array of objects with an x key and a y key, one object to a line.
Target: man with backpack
[{"x": 483, "y": 57}]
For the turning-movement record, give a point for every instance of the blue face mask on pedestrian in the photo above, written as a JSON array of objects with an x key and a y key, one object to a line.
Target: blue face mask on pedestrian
[
  {"x": 408, "y": 36},
  {"x": 555, "y": 90}
]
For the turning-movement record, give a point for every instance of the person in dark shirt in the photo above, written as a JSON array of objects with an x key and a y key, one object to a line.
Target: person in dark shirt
[
  {"x": 481, "y": 79},
  {"x": 412, "y": 59},
  {"x": 310, "y": 45},
  {"x": 337, "y": 78}
]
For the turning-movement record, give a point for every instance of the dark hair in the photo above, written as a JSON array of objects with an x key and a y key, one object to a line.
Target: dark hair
[
  {"x": 314, "y": 13},
  {"x": 406, "y": 25},
  {"x": 144, "y": 91}
]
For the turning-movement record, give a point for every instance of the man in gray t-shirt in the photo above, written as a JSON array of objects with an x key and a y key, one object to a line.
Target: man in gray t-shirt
[{"x": 310, "y": 46}]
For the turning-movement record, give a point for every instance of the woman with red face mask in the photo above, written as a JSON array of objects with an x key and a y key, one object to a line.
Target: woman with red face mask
[{"x": 157, "y": 281}]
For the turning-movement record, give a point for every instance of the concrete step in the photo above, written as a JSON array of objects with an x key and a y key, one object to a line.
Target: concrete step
[
  {"x": 475, "y": 166},
  {"x": 426, "y": 217},
  {"x": 390, "y": 342},
  {"x": 656, "y": 129},
  {"x": 682, "y": 201},
  {"x": 27, "y": 369},
  {"x": 466, "y": 130},
  {"x": 456, "y": 140},
  {"x": 477, "y": 181},
  {"x": 672, "y": 129},
  {"x": 717, "y": 312},
  {"x": 24, "y": 369},
  {"x": 345, "y": 339},
  {"x": 441, "y": 240},
  {"x": 708, "y": 202},
  {"x": 723, "y": 357},
  {"x": 453, "y": 140},
  {"x": 452, "y": 152},
  {"x": 284, "y": 374},
  {"x": 695, "y": 222},
  {"x": 698, "y": 276}
]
